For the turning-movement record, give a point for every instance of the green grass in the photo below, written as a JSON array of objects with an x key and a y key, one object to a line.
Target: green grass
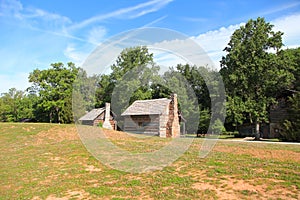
[{"x": 48, "y": 160}]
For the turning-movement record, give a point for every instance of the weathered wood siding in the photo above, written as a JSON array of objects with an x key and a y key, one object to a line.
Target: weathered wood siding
[
  {"x": 142, "y": 124},
  {"x": 87, "y": 122},
  {"x": 155, "y": 117},
  {"x": 100, "y": 119}
]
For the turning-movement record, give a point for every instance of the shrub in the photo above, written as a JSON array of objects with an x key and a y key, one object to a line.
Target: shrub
[
  {"x": 291, "y": 126},
  {"x": 100, "y": 124}
]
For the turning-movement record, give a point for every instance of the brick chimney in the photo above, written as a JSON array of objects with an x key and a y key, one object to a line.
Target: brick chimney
[
  {"x": 173, "y": 122},
  {"x": 106, "y": 123}
]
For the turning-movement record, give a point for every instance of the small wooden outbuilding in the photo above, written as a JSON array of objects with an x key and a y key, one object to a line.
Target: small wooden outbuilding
[
  {"x": 100, "y": 115},
  {"x": 153, "y": 117}
]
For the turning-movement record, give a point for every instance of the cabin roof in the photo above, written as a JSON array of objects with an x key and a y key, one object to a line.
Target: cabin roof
[
  {"x": 93, "y": 114},
  {"x": 147, "y": 107}
]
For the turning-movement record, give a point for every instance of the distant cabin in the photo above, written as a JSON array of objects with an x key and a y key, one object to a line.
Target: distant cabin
[
  {"x": 100, "y": 115},
  {"x": 154, "y": 117}
]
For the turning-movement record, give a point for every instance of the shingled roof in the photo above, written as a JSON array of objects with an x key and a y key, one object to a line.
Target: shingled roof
[
  {"x": 93, "y": 114},
  {"x": 147, "y": 107}
]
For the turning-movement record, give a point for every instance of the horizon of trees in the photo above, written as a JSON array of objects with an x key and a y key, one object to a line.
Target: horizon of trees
[{"x": 256, "y": 70}]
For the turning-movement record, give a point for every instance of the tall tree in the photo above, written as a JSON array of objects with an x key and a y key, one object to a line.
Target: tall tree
[
  {"x": 128, "y": 60},
  {"x": 194, "y": 75},
  {"x": 83, "y": 94},
  {"x": 253, "y": 72},
  {"x": 187, "y": 100},
  {"x": 54, "y": 88}
]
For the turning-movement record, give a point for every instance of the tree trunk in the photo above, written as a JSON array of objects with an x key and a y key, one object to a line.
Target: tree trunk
[
  {"x": 50, "y": 117},
  {"x": 58, "y": 117},
  {"x": 257, "y": 134}
]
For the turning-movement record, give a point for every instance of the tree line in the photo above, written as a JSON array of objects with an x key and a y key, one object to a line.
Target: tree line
[{"x": 256, "y": 71}]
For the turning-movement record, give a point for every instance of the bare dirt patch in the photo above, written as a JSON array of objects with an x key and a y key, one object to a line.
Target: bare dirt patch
[
  {"x": 281, "y": 155},
  {"x": 220, "y": 193},
  {"x": 92, "y": 168},
  {"x": 77, "y": 194},
  {"x": 231, "y": 188},
  {"x": 117, "y": 134},
  {"x": 56, "y": 134}
]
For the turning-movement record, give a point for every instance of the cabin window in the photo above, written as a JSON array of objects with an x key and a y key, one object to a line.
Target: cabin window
[
  {"x": 143, "y": 124},
  {"x": 140, "y": 124}
]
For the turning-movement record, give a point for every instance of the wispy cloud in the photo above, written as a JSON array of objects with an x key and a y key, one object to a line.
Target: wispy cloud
[
  {"x": 52, "y": 23},
  {"x": 19, "y": 81},
  {"x": 289, "y": 25},
  {"x": 96, "y": 35},
  {"x": 213, "y": 42},
  {"x": 279, "y": 9},
  {"x": 72, "y": 53},
  {"x": 30, "y": 15},
  {"x": 129, "y": 12},
  {"x": 11, "y": 7}
]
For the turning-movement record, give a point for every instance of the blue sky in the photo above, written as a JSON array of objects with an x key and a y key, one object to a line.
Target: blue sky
[{"x": 36, "y": 33}]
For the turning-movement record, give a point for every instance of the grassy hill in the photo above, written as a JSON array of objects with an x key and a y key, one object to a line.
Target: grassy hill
[{"x": 48, "y": 161}]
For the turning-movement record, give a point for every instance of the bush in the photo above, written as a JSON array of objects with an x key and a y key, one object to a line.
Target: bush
[
  {"x": 100, "y": 124},
  {"x": 290, "y": 133},
  {"x": 291, "y": 126}
]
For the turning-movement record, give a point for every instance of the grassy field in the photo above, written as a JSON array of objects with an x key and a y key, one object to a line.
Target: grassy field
[{"x": 44, "y": 161}]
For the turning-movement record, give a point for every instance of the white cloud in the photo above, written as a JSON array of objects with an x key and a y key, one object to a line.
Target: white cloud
[
  {"x": 213, "y": 42},
  {"x": 10, "y": 7},
  {"x": 18, "y": 81},
  {"x": 100, "y": 60},
  {"x": 205, "y": 49},
  {"x": 129, "y": 12},
  {"x": 153, "y": 7},
  {"x": 42, "y": 14},
  {"x": 166, "y": 59},
  {"x": 74, "y": 55},
  {"x": 279, "y": 8},
  {"x": 34, "y": 18},
  {"x": 289, "y": 25},
  {"x": 96, "y": 35},
  {"x": 14, "y": 8}
]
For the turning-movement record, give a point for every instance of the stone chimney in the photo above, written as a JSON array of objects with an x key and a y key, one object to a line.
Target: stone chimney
[
  {"x": 106, "y": 123},
  {"x": 173, "y": 123}
]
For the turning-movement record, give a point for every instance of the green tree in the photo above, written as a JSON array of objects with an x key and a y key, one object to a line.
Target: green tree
[
  {"x": 9, "y": 105},
  {"x": 195, "y": 77},
  {"x": 292, "y": 56},
  {"x": 206, "y": 85},
  {"x": 16, "y": 105},
  {"x": 253, "y": 71},
  {"x": 134, "y": 85},
  {"x": 291, "y": 125},
  {"x": 54, "y": 88},
  {"x": 235, "y": 112},
  {"x": 128, "y": 60},
  {"x": 83, "y": 94},
  {"x": 179, "y": 83}
]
